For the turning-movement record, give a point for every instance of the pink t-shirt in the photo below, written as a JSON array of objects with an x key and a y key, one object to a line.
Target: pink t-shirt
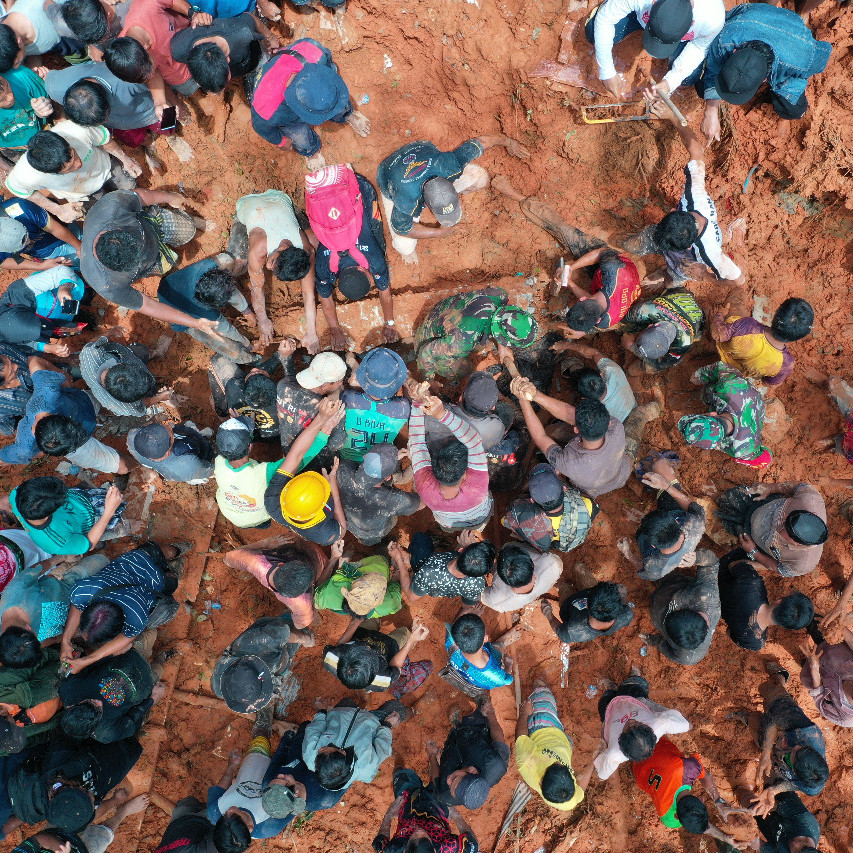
[{"x": 161, "y": 23}]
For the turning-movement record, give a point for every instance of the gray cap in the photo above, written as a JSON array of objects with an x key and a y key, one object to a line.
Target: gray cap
[
  {"x": 655, "y": 341},
  {"x": 441, "y": 198},
  {"x": 13, "y": 235}
]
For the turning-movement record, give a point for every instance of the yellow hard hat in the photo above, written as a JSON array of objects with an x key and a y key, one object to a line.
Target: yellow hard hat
[{"x": 303, "y": 499}]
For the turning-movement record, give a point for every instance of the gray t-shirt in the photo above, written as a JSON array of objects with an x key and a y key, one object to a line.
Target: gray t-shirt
[
  {"x": 54, "y": 13},
  {"x": 131, "y": 104},
  {"x": 594, "y": 472},
  {"x": 618, "y": 397},
  {"x": 658, "y": 564},
  {"x": 46, "y": 35},
  {"x": 547, "y": 569},
  {"x": 490, "y": 428},
  {"x": 180, "y": 467}
]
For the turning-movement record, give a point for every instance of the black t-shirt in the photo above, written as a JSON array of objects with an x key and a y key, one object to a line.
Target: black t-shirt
[
  {"x": 189, "y": 830},
  {"x": 380, "y": 648},
  {"x": 240, "y": 33},
  {"x": 574, "y": 615},
  {"x": 742, "y": 592},
  {"x": 470, "y": 744},
  {"x": 788, "y": 820}
]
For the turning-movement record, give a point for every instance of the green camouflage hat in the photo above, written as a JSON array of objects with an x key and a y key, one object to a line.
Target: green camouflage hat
[{"x": 514, "y": 327}]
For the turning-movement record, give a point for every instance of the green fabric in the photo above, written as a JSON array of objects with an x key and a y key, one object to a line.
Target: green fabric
[
  {"x": 669, "y": 819},
  {"x": 364, "y": 426},
  {"x": 31, "y": 686},
  {"x": 19, "y": 124},
  {"x": 320, "y": 441},
  {"x": 329, "y": 595}
]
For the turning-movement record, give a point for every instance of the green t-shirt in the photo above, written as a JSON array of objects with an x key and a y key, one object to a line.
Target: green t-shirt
[
  {"x": 329, "y": 595},
  {"x": 19, "y": 124},
  {"x": 66, "y": 531}
]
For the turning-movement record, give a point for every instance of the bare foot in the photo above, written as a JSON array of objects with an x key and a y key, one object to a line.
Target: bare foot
[
  {"x": 315, "y": 162},
  {"x": 359, "y": 122},
  {"x": 162, "y": 346},
  {"x": 509, "y": 637},
  {"x": 410, "y": 258},
  {"x": 138, "y": 804},
  {"x": 501, "y": 184},
  {"x": 304, "y": 638}
]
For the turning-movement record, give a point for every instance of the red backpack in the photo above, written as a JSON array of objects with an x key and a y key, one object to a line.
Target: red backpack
[{"x": 334, "y": 209}]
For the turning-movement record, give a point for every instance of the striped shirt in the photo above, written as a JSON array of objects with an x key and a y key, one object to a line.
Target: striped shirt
[
  {"x": 94, "y": 360},
  {"x": 473, "y": 505},
  {"x": 145, "y": 580}
]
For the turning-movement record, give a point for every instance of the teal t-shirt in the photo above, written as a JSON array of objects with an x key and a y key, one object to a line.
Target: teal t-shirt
[
  {"x": 368, "y": 422},
  {"x": 66, "y": 531},
  {"x": 20, "y": 123}
]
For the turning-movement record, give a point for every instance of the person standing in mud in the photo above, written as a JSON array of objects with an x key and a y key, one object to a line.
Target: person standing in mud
[{"x": 419, "y": 175}]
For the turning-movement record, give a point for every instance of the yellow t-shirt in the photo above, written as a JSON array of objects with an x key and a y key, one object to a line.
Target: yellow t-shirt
[
  {"x": 749, "y": 350},
  {"x": 535, "y": 753}
]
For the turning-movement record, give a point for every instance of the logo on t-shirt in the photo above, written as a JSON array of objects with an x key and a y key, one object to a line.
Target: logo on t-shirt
[{"x": 415, "y": 168}]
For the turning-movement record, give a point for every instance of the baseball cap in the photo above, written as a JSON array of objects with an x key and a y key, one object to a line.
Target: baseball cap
[
  {"x": 741, "y": 75},
  {"x": 481, "y": 393},
  {"x": 247, "y": 685},
  {"x": 806, "y": 528},
  {"x": 546, "y": 488},
  {"x": 317, "y": 94},
  {"x": 70, "y": 809},
  {"x": 380, "y": 462},
  {"x": 12, "y": 738},
  {"x": 324, "y": 367},
  {"x": 669, "y": 22},
  {"x": 280, "y": 802},
  {"x": 514, "y": 327},
  {"x": 234, "y": 437},
  {"x": 13, "y": 235},
  {"x": 152, "y": 441},
  {"x": 366, "y": 592},
  {"x": 353, "y": 283},
  {"x": 441, "y": 198},
  {"x": 654, "y": 342},
  {"x": 381, "y": 373},
  {"x": 472, "y": 791}
]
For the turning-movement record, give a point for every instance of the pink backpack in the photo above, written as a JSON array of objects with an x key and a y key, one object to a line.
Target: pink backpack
[{"x": 334, "y": 209}]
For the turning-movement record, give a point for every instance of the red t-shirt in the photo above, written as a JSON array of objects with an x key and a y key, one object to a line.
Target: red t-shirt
[
  {"x": 161, "y": 23},
  {"x": 622, "y": 295}
]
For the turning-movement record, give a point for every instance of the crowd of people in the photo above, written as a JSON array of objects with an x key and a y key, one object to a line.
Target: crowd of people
[{"x": 499, "y": 436}]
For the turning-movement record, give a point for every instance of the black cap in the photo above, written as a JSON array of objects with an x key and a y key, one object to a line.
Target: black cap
[
  {"x": 247, "y": 685},
  {"x": 741, "y": 75},
  {"x": 546, "y": 488},
  {"x": 353, "y": 283},
  {"x": 70, "y": 809},
  {"x": 669, "y": 22},
  {"x": 806, "y": 528}
]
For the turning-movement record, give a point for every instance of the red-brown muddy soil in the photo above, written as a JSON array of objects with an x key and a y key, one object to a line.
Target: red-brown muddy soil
[{"x": 447, "y": 70}]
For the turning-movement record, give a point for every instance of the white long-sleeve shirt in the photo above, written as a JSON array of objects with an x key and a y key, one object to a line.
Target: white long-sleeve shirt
[{"x": 708, "y": 19}]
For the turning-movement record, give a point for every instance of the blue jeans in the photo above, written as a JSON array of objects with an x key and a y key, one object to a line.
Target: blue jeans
[
  {"x": 304, "y": 138},
  {"x": 629, "y": 24},
  {"x": 404, "y": 780}
]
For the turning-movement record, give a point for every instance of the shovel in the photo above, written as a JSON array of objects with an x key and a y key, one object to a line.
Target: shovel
[{"x": 588, "y": 111}]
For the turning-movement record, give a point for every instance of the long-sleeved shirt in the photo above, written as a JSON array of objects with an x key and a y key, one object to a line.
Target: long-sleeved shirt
[
  {"x": 679, "y": 591},
  {"x": 708, "y": 19},
  {"x": 473, "y": 505},
  {"x": 370, "y": 739},
  {"x": 796, "y": 53}
]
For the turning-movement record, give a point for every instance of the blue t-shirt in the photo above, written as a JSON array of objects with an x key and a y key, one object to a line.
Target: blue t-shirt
[
  {"x": 490, "y": 676},
  {"x": 48, "y": 396},
  {"x": 402, "y": 175},
  {"x": 367, "y": 244},
  {"x": 40, "y": 244},
  {"x": 178, "y": 290}
]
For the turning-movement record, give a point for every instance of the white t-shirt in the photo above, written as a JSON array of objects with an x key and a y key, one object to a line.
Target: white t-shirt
[
  {"x": 662, "y": 721},
  {"x": 709, "y": 247},
  {"x": 32, "y": 553},
  {"x": 246, "y": 791},
  {"x": 24, "y": 180},
  {"x": 708, "y": 19},
  {"x": 272, "y": 212},
  {"x": 547, "y": 569}
]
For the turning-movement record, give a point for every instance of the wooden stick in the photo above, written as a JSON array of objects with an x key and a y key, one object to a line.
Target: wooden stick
[
  {"x": 516, "y": 677},
  {"x": 673, "y": 109},
  {"x": 161, "y": 802},
  {"x": 200, "y": 699}
]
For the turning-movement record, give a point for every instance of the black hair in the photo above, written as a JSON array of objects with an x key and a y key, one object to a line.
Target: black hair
[
  {"x": 811, "y": 767},
  {"x": 588, "y": 382},
  {"x": 118, "y": 250},
  {"x": 469, "y": 633},
  {"x": 86, "y": 19},
  {"x": 686, "y": 628},
  {"x": 558, "y": 784},
  {"x": 102, "y": 620},
  {"x": 59, "y": 435},
  {"x": 334, "y": 769},
  {"x": 259, "y": 391},
  {"x": 591, "y": 418},
  {"x": 79, "y": 721},
  {"x": 215, "y": 287},
  {"x": 291, "y": 579},
  {"x": 9, "y": 48},
  {"x": 660, "y": 528},
  {"x": 209, "y": 67},
  {"x": 476, "y": 560},
  {"x": 231, "y": 834},
  {"x": 793, "y": 320},
  {"x": 676, "y": 232},
  {"x": 419, "y": 845},
  {"x": 86, "y": 102},
  {"x": 604, "y": 601},
  {"x": 638, "y": 742},
  {"x": 292, "y": 264},
  {"x": 515, "y": 565},
  {"x": 128, "y": 60},
  {"x": 40, "y": 497},
  {"x": 692, "y": 814},
  {"x": 356, "y": 666},
  {"x": 48, "y": 152},
  {"x": 19, "y": 648},
  {"x": 129, "y": 382},
  {"x": 450, "y": 462},
  {"x": 583, "y": 315},
  {"x": 793, "y": 612}
]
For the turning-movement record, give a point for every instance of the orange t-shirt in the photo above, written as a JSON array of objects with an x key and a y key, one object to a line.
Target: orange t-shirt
[{"x": 664, "y": 774}]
